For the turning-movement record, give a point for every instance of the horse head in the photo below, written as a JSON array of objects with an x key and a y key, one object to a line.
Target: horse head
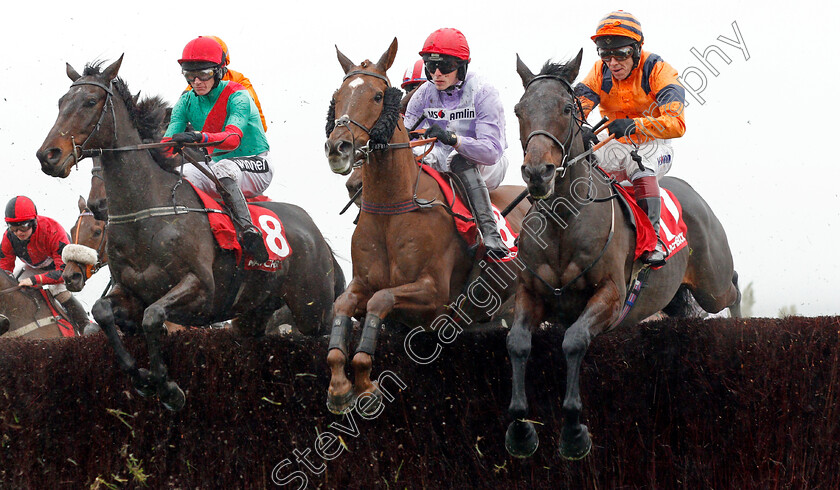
[
  {"x": 86, "y": 254},
  {"x": 367, "y": 107},
  {"x": 549, "y": 123},
  {"x": 82, "y": 123}
]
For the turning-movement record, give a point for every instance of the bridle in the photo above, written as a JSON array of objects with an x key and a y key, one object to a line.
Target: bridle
[
  {"x": 79, "y": 151},
  {"x": 576, "y": 117},
  {"x": 91, "y": 269},
  {"x": 364, "y": 151}
]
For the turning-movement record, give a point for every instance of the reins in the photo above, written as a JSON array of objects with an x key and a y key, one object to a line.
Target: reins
[{"x": 79, "y": 153}]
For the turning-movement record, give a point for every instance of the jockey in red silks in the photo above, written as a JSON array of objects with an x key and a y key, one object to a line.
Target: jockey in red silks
[
  {"x": 224, "y": 114},
  {"x": 465, "y": 113},
  {"x": 414, "y": 77},
  {"x": 641, "y": 95},
  {"x": 38, "y": 241}
]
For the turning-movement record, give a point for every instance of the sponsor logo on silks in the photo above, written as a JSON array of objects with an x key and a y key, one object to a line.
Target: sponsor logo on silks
[
  {"x": 664, "y": 160},
  {"x": 463, "y": 113}
]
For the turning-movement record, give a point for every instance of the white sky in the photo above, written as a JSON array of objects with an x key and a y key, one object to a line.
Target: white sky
[{"x": 755, "y": 150}]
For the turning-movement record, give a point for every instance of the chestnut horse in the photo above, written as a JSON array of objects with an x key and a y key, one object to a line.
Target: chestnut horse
[
  {"x": 409, "y": 262},
  {"x": 578, "y": 268},
  {"x": 24, "y": 311},
  {"x": 165, "y": 262}
]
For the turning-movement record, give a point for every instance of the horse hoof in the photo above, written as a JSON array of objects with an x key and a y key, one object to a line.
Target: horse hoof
[
  {"x": 341, "y": 404},
  {"x": 521, "y": 440},
  {"x": 575, "y": 446},
  {"x": 369, "y": 403},
  {"x": 142, "y": 384},
  {"x": 174, "y": 398}
]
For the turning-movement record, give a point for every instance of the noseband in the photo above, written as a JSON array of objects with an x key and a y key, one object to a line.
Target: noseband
[{"x": 576, "y": 109}]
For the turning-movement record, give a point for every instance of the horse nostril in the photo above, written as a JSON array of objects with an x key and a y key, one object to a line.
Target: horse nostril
[
  {"x": 52, "y": 156},
  {"x": 345, "y": 147},
  {"x": 548, "y": 171}
]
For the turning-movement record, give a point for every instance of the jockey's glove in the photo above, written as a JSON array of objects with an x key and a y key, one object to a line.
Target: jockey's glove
[
  {"x": 442, "y": 135},
  {"x": 589, "y": 138},
  {"x": 188, "y": 137},
  {"x": 622, "y": 127}
]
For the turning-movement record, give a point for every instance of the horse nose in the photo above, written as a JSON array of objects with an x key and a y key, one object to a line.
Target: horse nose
[
  {"x": 338, "y": 149},
  {"x": 538, "y": 174},
  {"x": 49, "y": 156},
  {"x": 73, "y": 280}
]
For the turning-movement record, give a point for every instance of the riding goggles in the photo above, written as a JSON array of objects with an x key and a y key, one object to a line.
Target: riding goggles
[
  {"x": 202, "y": 75},
  {"x": 13, "y": 227},
  {"x": 445, "y": 66},
  {"x": 620, "y": 54}
]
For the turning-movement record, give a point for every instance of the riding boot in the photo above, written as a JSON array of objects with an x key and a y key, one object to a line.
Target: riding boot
[
  {"x": 250, "y": 237},
  {"x": 479, "y": 200},
  {"x": 77, "y": 314},
  {"x": 652, "y": 207}
]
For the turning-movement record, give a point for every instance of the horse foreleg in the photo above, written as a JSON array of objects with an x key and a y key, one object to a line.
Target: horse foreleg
[
  {"x": 103, "y": 313},
  {"x": 601, "y": 310},
  {"x": 521, "y": 439},
  {"x": 187, "y": 294},
  {"x": 340, "y": 394},
  {"x": 421, "y": 298}
]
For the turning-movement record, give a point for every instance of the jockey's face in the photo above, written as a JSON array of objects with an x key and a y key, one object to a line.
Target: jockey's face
[
  {"x": 202, "y": 87},
  {"x": 21, "y": 233},
  {"x": 443, "y": 81},
  {"x": 620, "y": 69}
]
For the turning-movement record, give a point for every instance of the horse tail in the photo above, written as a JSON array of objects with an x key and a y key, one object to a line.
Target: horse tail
[
  {"x": 339, "y": 283},
  {"x": 683, "y": 305},
  {"x": 735, "y": 308}
]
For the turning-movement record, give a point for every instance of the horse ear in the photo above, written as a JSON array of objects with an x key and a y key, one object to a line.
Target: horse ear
[
  {"x": 574, "y": 66},
  {"x": 110, "y": 73},
  {"x": 345, "y": 62},
  {"x": 72, "y": 73},
  {"x": 387, "y": 58},
  {"x": 82, "y": 204},
  {"x": 524, "y": 72}
]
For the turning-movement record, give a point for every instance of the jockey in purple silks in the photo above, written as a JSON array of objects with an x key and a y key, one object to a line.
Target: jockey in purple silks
[{"x": 465, "y": 114}]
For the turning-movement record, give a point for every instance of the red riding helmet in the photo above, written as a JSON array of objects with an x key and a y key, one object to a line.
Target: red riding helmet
[
  {"x": 203, "y": 51},
  {"x": 415, "y": 75},
  {"x": 21, "y": 209},
  {"x": 447, "y": 41}
]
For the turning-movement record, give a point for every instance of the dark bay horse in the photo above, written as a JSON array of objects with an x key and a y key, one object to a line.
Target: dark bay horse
[
  {"x": 579, "y": 266},
  {"x": 165, "y": 263},
  {"x": 24, "y": 312},
  {"x": 409, "y": 262}
]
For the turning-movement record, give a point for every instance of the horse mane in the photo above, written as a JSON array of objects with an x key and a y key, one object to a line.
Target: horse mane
[
  {"x": 555, "y": 69},
  {"x": 150, "y": 116},
  {"x": 331, "y": 116}
]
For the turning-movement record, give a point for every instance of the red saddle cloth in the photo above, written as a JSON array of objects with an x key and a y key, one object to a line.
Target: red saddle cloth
[
  {"x": 274, "y": 234},
  {"x": 672, "y": 227},
  {"x": 468, "y": 229},
  {"x": 65, "y": 327}
]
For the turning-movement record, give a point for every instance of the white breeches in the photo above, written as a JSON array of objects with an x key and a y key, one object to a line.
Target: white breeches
[
  {"x": 657, "y": 155},
  {"x": 252, "y": 173}
]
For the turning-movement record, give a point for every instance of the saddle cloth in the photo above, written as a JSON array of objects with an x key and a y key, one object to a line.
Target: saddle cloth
[
  {"x": 464, "y": 223},
  {"x": 672, "y": 227},
  {"x": 274, "y": 234}
]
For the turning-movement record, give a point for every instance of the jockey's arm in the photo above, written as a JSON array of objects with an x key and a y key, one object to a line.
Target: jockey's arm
[
  {"x": 486, "y": 147},
  {"x": 670, "y": 102}
]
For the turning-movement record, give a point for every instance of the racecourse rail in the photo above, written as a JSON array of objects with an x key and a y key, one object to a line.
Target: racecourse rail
[{"x": 721, "y": 403}]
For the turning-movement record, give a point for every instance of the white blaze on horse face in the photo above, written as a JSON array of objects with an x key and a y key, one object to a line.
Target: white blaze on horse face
[{"x": 355, "y": 83}]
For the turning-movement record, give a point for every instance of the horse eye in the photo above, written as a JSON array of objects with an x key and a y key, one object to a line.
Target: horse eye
[
  {"x": 567, "y": 109},
  {"x": 97, "y": 232},
  {"x": 90, "y": 102},
  {"x": 378, "y": 97}
]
